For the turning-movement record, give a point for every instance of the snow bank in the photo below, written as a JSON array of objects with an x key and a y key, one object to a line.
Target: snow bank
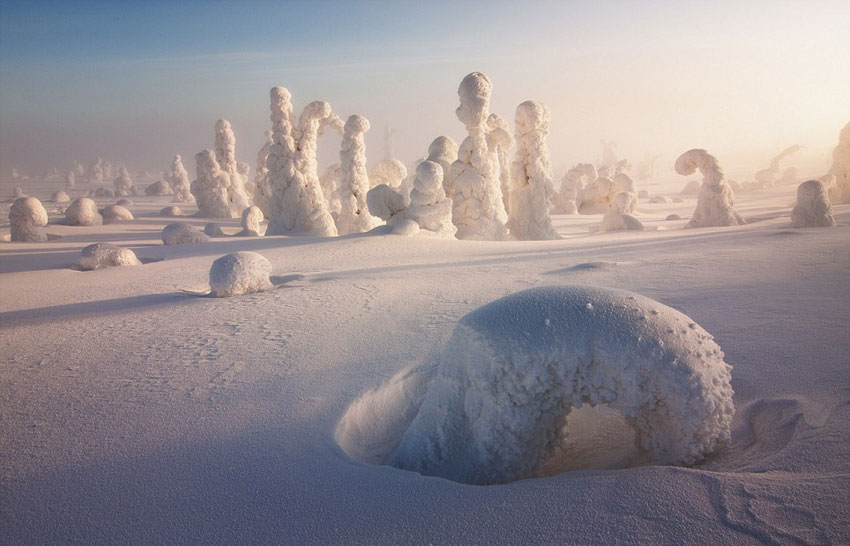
[
  {"x": 813, "y": 208},
  {"x": 354, "y": 214},
  {"x": 478, "y": 210},
  {"x": 100, "y": 255},
  {"x": 240, "y": 273},
  {"x": 617, "y": 217},
  {"x": 178, "y": 179},
  {"x": 443, "y": 151},
  {"x": 515, "y": 368},
  {"x": 840, "y": 192},
  {"x": 60, "y": 197},
  {"x": 160, "y": 187},
  {"x": 181, "y": 233},
  {"x": 531, "y": 185},
  {"x": 252, "y": 217},
  {"x": 123, "y": 183},
  {"x": 83, "y": 212},
  {"x": 429, "y": 208},
  {"x": 115, "y": 213},
  {"x": 715, "y": 200},
  {"x": 27, "y": 217}
]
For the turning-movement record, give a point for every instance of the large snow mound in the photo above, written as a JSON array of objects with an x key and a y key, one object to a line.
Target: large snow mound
[
  {"x": 83, "y": 212},
  {"x": 100, "y": 255},
  {"x": 515, "y": 368},
  {"x": 240, "y": 273}
]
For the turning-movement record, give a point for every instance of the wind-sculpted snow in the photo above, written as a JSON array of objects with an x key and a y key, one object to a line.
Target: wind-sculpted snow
[
  {"x": 354, "y": 214},
  {"x": 813, "y": 208},
  {"x": 101, "y": 255},
  {"x": 515, "y": 368},
  {"x": 531, "y": 187},
  {"x": 240, "y": 273},
  {"x": 83, "y": 212},
  {"x": 27, "y": 217},
  {"x": 715, "y": 200}
]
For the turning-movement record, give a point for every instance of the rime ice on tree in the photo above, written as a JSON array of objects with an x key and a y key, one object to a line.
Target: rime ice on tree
[
  {"x": 262, "y": 189},
  {"x": 225, "y": 154},
  {"x": 839, "y": 187},
  {"x": 429, "y": 207},
  {"x": 354, "y": 216},
  {"x": 478, "y": 210},
  {"x": 443, "y": 150},
  {"x": 715, "y": 200},
  {"x": 178, "y": 178},
  {"x": 572, "y": 184},
  {"x": 499, "y": 139},
  {"x": 813, "y": 208},
  {"x": 531, "y": 179}
]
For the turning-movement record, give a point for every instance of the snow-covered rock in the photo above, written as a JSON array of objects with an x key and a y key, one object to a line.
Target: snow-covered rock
[
  {"x": 83, "y": 212},
  {"x": 181, "y": 233},
  {"x": 813, "y": 208},
  {"x": 715, "y": 201},
  {"x": 100, "y": 255},
  {"x": 27, "y": 217},
  {"x": 515, "y": 368},
  {"x": 240, "y": 273},
  {"x": 115, "y": 213}
]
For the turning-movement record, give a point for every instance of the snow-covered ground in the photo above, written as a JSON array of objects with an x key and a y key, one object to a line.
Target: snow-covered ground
[{"x": 135, "y": 411}]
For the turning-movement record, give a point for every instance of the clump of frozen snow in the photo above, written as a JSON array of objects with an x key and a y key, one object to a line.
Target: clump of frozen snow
[
  {"x": 813, "y": 208},
  {"x": 617, "y": 217},
  {"x": 160, "y": 187},
  {"x": 123, "y": 183},
  {"x": 171, "y": 211},
  {"x": 181, "y": 233},
  {"x": 213, "y": 229},
  {"x": 252, "y": 217},
  {"x": 70, "y": 180},
  {"x": 766, "y": 178},
  {"x": 27, "y": 217},
  {"x": 354, "y": 214},
  {"x": 100, "y": 255},
  {"x": 620, "y": 183},
  {"x": 595, "y": 197},
  {"x": 515, "y": 368},
  {"x": 839, "y": 190},
  {"x": 115, "y": 213},
  {"x": 531, "y": 186},
  {"x": 297, "y": 203},
  {"x": 178, "y": 179},
  {"x": 60, "y": 197},
  {"x": 443, "y": 151},
  {"x": 430, "y": 211},
  {"x": 715, "y": 200},
  {"x": 478, "y": 210},
  {"x": 387, "y": 171},
  {"x": 240, "y": 273},
  {"x": 572, "y": 184},
  {"x": 83, "y": 212}
]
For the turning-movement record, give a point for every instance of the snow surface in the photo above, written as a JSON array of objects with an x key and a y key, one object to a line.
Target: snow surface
[{"x": 136, "y": 412}]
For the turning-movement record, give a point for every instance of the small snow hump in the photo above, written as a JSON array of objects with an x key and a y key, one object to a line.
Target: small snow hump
[
  {"x": 240, "y": 273},
  {"x": 101, "y": 255},
  {"x": 515, "y": 369},
  {"x": 181, "y": 233}
]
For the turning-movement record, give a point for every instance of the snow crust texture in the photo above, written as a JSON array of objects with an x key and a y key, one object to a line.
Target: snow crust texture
[
  {"x": 813, "y": 208},
  {"x": 27, "y": 217},
  {"x": 240, "y": 273},
  {"x": 515, "y": 368},
  {"x": 101, "y": 255},
  {"x": 715, "y": 200},
  {"x": 181, "y": 233},
  {"x": 83, "y": 212}
]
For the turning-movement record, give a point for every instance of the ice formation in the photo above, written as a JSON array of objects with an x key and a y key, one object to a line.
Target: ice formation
[
  {"x": 515, "y": 368},
  {"x": 429, "y": 207},
  {"x": 766, "y": 178},
  {"x": 715, "y": 200},
  {"x": 262, "y": 191},
  {"x": 531, "y": 188},
  {"x": 297, "y": 203},
  {"x": 160, "y": 187},
  {"x": 181, "y": 233},
  {"x": 617, "y": 217},
  {"x": 70, "y": 180},
  {"x": 354, "y": 214},
  {"x": 83, "y": 212},
  {"x": 178, "y": 179},
  {"x": 443, "y": 150},
  {"x": 60, "y": 197},
  {"x": 213, "y": 229},
  {"x": 840, "y": 191},
  {"x": 581, "y": 175},
  {"x": 170, "y": 211},
  {"x": 813, "y": 208},
  {"x": 123, "y": 183},
  {"x": 387, "y": 171},
  {"x": 252, "y": 217},
  {"x": 478, "y": 209},
  {"x": 499, "y": 139},
  {"x": 94, "y": 173},
  {"x": 240, "y": 273},
  {"x": 115, "y": 213},
  {"x": 100, "y": 255},
  {"x": 27, "y": 217}
]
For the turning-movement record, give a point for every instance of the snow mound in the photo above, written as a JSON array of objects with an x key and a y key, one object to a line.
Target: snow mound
[
  {"x": 813, "y": 208},
  {"x": 515, "y": 369},
  {"x": 240, "y": 273},
  {"x": 103, "y": 192},
  {"x": 26, "y": 218},
  {"x": 660, "y": 199},
  {"x": 170, "y": 211},
  {"x": 60, "y": 197},
  {"x": 181, "y": 233},
  {"x": 115, "y": 213},
  {"x": 83, "y": 212},
  {"x": 160, "y": 187},
  {"x": 213, "y": 229},
  {"x": 100, "y": 255},
  {"x": 252, "y": 217}
]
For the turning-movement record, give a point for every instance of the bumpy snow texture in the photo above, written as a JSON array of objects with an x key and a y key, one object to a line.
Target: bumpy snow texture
[
  {"x": 514, "y": 368},
  {"x": 100, "y": 255},
  {"x": 240, "y": 273},
  {"x": 813, "y": 208},
  {"x": 181, "y": 233},
  {"x": 715, "y": 200},
  {"x": 27, "y": 217},
  {"x": 83, "y": 212}
]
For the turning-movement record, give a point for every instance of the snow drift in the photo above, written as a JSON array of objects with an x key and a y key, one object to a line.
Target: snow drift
[
  {"x": 515, "y": 368},
  {"x": 240, "y": 273},
  {"x": 100, "y": 255}
]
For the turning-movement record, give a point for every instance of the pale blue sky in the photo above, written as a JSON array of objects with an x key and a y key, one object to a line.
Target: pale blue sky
[{"x": 137, "y": 82}]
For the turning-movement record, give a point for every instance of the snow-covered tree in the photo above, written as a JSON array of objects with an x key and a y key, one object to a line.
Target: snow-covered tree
[
  {"x": 389, "y": 171},
  {"x": 83, "y": 212},
  {"x": 443, "y": 150},
  {"x": 178, "y": 178},
  {"x": 262, "y": 190},
  {"x": 618, "y": 217},
  {"x": 531, "y": 175},
  {"x": 766, "y": 178},
  {"x": 429, "y": 207},
  {"x": 94, "y": 173},
  {"x": 225, "y": 155},
  {"x": 839, "y": 191},
  {"x": 252, "y": 217},
  {"x": 499, "y": 139},
  {"x": 813, "y": 208},
  {"x": 123, "y": 183},
  {"x": 573, "y": 182},
  {"x": 715, "y": 201},
  {"x": 478, "y": 210},
  {"x": 70, "y": 180},
  {"x": 211, "y": 187},
  {"x": 354, "y": 216}
]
